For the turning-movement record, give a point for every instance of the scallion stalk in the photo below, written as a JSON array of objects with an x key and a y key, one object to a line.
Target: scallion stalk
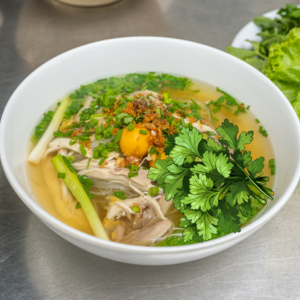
[
  {"x": 38, "y": 151},
  {"x": 71, "y": 180}
]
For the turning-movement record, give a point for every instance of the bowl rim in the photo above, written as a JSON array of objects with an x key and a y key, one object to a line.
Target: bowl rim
[{"x": 49, "y": 220}]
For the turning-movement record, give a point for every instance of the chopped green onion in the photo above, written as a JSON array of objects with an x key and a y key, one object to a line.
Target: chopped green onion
[
  {"x": 73, "y": 140},
  {"x": 99, "y": 129},
  {"x": 257, "y": 121},
  {"x": 97, "y": 116},
  {"x": 58, "y": 103},
  {"x": 43, "y": 125},
  {"x": 167, "y": 98},
  {"x": 82, "y": 150},
  {"x": 83, "y": 138},
  {"x": 135, "y": 209},
  {"x": 120, "y": 195},
  {"x": 153, "y": 191},
  {"x": 99, "y": 137},
  {"x": 272, "y": 166},
  {"x": 131, "y": 127},
  {"x": 88, "y": 164},
  {"x": 78, "y": 205},
  {"x": 145, "y": 132},
  {"x": 63, "y": 134},
  {"x": 102, "y": 161},
  {"x": 263, "y": 131},
  {"x": 61, "y": 175},
  {"x": 71, "y": 158},
  {"x": 96, "y": 154}
]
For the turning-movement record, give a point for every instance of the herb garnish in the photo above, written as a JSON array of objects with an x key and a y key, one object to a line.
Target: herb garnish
[
  {"x": 120, "y": 195},
  {"x": 272, "y": 166},
  {"x": 263, "y": 131},
  {"x": 209, "y": 184}
]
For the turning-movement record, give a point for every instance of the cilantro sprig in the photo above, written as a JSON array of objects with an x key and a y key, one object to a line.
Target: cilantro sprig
[{"x": 211, "y": 183}]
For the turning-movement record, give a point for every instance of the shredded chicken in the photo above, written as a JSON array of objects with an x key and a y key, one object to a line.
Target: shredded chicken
[
  {"x": 60, "y": 143},
  {"x": 119, "y": 175},
  {"x": 145, "y": 236}
]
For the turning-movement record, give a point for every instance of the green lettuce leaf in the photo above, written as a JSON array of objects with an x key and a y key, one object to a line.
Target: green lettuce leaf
[{"x": 284, "y": 59}]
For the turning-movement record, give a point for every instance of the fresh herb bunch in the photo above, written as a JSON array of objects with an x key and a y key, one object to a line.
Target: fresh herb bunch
[
  {"x": 272, "y": 32},
  {"x": 210, "y": 183},
  {"x": 277, "y": 54}
]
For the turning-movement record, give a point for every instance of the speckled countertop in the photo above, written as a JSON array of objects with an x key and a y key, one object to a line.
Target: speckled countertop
[{"x": 35, "y": 263}]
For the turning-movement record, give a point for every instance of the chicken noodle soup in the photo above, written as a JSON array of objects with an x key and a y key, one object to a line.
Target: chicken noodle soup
[{"x": 121, "y": 159}]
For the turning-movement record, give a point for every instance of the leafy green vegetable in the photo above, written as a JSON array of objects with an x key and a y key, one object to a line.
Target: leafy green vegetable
[
  {"x": 215, "y": 106},
  {"x": 277, "y": 54},
  {"x": 211, "y": 187}
]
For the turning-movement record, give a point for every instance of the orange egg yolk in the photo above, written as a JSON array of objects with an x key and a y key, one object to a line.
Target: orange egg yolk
[{"x": 135, "y": 143}]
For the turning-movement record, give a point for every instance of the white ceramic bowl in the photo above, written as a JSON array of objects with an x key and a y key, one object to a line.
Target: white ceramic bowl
[{"x": 85, "y": 64}]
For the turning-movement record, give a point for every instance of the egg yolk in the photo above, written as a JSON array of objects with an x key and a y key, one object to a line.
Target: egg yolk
[{"x": 135, "y": 143}]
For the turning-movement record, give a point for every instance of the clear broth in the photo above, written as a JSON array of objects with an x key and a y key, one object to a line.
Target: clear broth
[{"x": 46, "y": 186}]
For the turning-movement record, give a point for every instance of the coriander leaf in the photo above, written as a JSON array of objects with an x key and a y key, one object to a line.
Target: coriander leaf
[
  {"x": 184, "y": 222},
  {"x": 161, "y": 171},
  {"x": 205, "y": 226},
  {"x": 177, "y": 201},
  {"x": 170, "y": 143},
  {"x": 246, "y": 209},
  {"x": 229, "y": 136},
  {"x": 228, "y": 219},
  {"x": 215, "y": 167},
  {"x": 181, "y": 154},
  {"x": 244, "y": 138},
  {"x": 193, "y": 215},
  {"x": 191, "y": 234},
  {"x": 174, "y": 180},
  {"x": 211, "y": 145},
  {"x": 242, "y": 158},
  {"x": 256, "y": 167},
  {"x": 229, "y": 132},
  {"x": 237, "y": 193},
  {"x": 201, "y": 193},
  {"x": 189, "y": 140}
]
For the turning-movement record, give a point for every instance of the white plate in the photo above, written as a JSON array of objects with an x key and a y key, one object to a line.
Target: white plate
[{"x": 250, "y": 31}]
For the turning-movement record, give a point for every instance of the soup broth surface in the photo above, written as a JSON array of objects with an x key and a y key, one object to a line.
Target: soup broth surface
[{"x": 46, "y": 187}]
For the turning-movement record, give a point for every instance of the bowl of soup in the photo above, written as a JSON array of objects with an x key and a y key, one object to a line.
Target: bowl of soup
[{"x": 150, "y": 151}]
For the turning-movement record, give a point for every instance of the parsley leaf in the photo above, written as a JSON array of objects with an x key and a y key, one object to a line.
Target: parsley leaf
[
  {"x": 211, "y": 187},
  {"x": 202, "y": 194},
  {"x": 228, "y": 219},
  {"x": 174, "y": 180},
  {"x": 229, "y": 133},
  {"x": 255, "y": 167},
  {"x": 161, "y": 171},
  {"x": 215, "y": 167},
  {"x": 237, "y": 193},
  {"x": 187, "y": 148}
]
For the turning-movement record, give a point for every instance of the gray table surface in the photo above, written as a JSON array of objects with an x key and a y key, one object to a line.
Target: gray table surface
[{"x": 35, "y": 263}]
